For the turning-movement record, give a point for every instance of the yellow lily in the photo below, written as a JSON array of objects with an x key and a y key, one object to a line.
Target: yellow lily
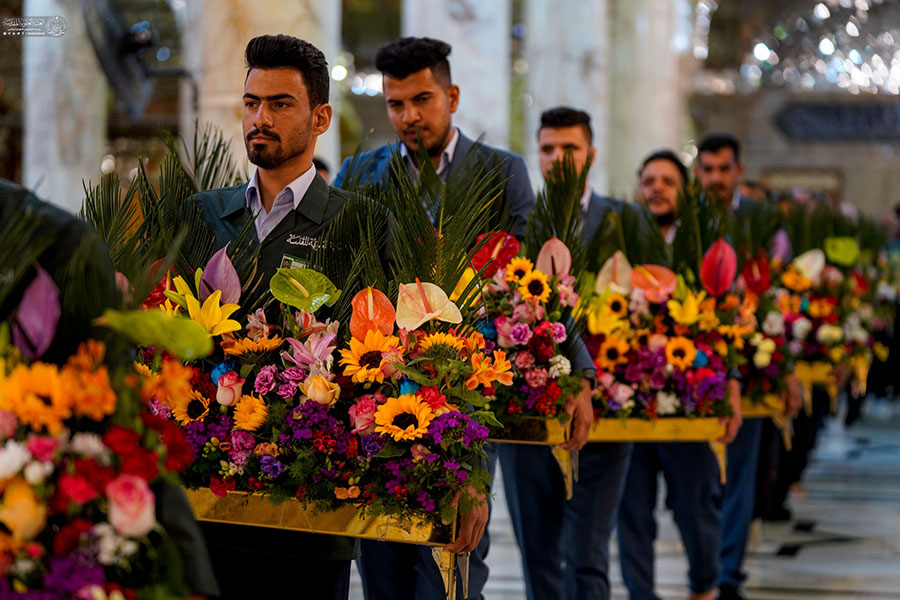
[
  {"x": 603, "y": 321},
  {"x": 687, "y": 311},
  {"x": 211, "y": 316}
]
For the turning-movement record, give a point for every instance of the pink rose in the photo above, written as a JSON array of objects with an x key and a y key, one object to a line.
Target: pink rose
[
  {"x": 230, "y": 388},
  {"x": 42, "y": 447},
  {"x": 657, "y": 342},
  {"x": 363, "y": 415},
  {"x": 606, "y": 380},
  {"x": 528, "y": 312},
  {"x": 77, "y": 489},
  {"x": 132, "y": 506},
  {"x": 503, "y": 324},
  {"x": 622, "y": 394}
]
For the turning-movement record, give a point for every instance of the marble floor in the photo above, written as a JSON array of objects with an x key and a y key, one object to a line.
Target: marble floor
[{"x": 843, "y": 542}]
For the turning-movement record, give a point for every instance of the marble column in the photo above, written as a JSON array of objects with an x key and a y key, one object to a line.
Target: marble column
[
  {"x": 567, "y": 55},
  {"x": 649, "y": 81},
  {"x": 215, "y": 35},
  {"x": 65, "y": 107},
  {"x": 479, "y": 63}
]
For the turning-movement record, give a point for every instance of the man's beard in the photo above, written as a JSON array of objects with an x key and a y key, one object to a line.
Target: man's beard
[
  {"x": 665, "y": 219},
  {"x": 434, "y": 149},
  {"x": 273, "y": 155}
]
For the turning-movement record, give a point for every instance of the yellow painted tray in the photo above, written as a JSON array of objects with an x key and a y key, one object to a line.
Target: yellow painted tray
[
  {"x": 243, "y": 508},
  {"x": 676, "y": 429},
  {"x": 533, "y": 430},
  {"x": 770, "y": 406}
]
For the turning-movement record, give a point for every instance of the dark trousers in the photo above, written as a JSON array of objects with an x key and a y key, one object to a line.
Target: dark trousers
[
  {"x": 695, "y": 499},
  {"x": 738, "y": 500},
  {"x": 395, "y": 571},
  {"x": 253, "y": 573},
  {"x": 564, "y": 544},
  {"x": 806, "y": 431}
]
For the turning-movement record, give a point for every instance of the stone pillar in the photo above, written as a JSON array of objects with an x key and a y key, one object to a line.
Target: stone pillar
[
  {"x": 649, "y": 83},
  {"x": 214, "y": 37},
  {"x": 567, "y": 51},
  {"x": 65, "y": 107},
  {"x": 480, "y": 62}
]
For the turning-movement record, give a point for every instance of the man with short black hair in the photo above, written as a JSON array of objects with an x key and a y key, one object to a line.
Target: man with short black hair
[
  {"x": 661, "y": 180},
  {"x": 421, "y": 98},
  {"x": 565, "y": 543},
  {"x": 719, "y": 168},
  {"x": 285, "y": 109}
]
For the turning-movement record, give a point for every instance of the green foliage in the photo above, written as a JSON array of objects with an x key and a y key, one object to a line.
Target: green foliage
[
  {"x": 700, "y": 223},
  {"x": 752, "y": 228}
]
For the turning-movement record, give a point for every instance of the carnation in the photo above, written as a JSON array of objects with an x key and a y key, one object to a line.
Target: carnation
[
  {"x": 559, "y": 366},
  {"x": 266, "y": 380},
  {"x": 666, "y": 403},
  {"x": 536, "y": 378},
  {"x": 558, "y": 332}
]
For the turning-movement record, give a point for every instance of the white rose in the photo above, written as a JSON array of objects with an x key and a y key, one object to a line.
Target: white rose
[{"x": 37, "y": 471}]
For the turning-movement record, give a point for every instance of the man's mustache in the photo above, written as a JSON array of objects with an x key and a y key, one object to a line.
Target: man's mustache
[{"x": 263, "y": 132}]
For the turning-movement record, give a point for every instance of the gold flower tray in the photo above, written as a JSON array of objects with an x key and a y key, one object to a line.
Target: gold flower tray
[
  {"x": 770, "y": 406},
  {"x": 243, "y": 508},
  {"x": 675, "y": 429}
]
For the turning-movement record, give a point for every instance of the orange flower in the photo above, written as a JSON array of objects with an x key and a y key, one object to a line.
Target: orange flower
[
  {"x": 659, "y": 324},
  {"x": 171, "y": 385},
  {"x": 37, "y": 396},
  {"x": 475, "y": 342},
  {"x": 89, "y": 356},
  {"x": 730, "y": 301},
  {"x": 92, "y": 393},
  {"x": 485, "y": 372}
]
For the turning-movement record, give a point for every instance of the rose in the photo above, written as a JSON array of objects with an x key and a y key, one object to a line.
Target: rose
[
  {"x": 657, "y": 341},
  {"x": 13, "y": 456},
  {"x": 230, "y": 388},
  {"x": 503, "y": 325},
  {"x": 318, "y": 389},
  {"x": 141, "y": 463},
  {"x": 528, "y": 312},
  {"x": 120, "y": 439},
  {"x": 132, "y": 506},
  {"x": 622, "y": 395},
  {"x": 69, "y": 536},
  {"x": 77, "y": 489},
  {"x": 21, "y": 511}
]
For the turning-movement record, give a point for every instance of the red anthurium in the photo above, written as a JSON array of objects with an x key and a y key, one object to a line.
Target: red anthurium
[
  {"x": 496, "y": 252},
  {"x": 860, "y": 284},
  {"x": 757, "y": 275},
  {"x": 554, "y": 258},
  {"x": 372, "y": 309},
  {"x": 719, "y": 268}
]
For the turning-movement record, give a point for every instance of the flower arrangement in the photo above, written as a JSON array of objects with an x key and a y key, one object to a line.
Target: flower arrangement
[
  {"x": 521, "y": 313},
  {"x": 80, "y": 457},
  {"x": 662, "y": 349},
  {"x": 390, "y": 423}
]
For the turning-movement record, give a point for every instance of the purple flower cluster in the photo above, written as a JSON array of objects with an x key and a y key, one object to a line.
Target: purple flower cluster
[
  {"x": 199, "y": 433},
  {"x": 271, "y": 466},
  {"x": 67, "y": 575},
  {"x": 456, "y": 426}
]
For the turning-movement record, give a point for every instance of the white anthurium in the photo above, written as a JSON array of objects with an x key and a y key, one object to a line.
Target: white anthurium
[
  {"x": 811, "y": 264},
  {"x": 615, "y": 275}
]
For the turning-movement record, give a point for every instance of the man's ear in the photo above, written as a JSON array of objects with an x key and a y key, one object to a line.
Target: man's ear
[
  {"x": 453, "y": 96},
  {"x": 321, "y": 119}
]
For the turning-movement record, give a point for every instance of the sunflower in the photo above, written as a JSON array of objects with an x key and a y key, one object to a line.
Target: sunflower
[
  {"x": 37, "y": 396},
  {"x": 613, "y": 351},
  {"x": 680, "y": 352},
  {"x": 248, "y": 346},
  {"x": 405, "y": 418},
  {"x": 518, "y": 268},
  {"x": 250, "y": 412},
  {"x": 363, "y": 361},
  {"x": 617, "y": 305},
  {"x": 534, "y": 285},
  {"x": 641, "y": 338},
  {"x": 190, "y": 408},
  {"x": 445, "y": 345}
]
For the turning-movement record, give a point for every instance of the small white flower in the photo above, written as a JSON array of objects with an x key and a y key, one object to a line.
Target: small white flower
[
  {"x": 22, "y": 566},
  {"x": 801, "y": 328},
  {"x": 88, "y": 445},
  {"x": 886, "y": 292},
  {"x": 559, "y": 366},
  {"x": 13, "y": 457},
  {"x": 773, "y": 324},
  {"x": 36, "y": 471},
  {"x": 666, "y": 403}
]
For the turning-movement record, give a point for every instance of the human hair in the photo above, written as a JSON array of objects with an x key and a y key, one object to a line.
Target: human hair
[
  {"x": 716, "y": 141},
  {"x": 278, "y": 51},
  {"x": 401, "y": 58},
  {"x": 672, "y": 158},
  {"x": 566, "y": 116},
  {"x": 320, "y": 164}
]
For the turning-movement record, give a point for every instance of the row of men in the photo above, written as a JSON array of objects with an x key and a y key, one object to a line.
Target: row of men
[{"x": 564, "y": 544}]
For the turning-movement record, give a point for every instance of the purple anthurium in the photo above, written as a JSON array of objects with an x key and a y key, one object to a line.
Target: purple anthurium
[
  {"x": 35, "y": 322},
  {"x": 316, "y": 349},
  {"x": 220, "y": 274},
  {"x": 781, "y": 247}
]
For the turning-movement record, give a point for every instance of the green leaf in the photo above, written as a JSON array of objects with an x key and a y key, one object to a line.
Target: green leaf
[
  {"x": 246, "y": 370},
  {"x": 416, "y": 376},
  {"x": 180, "y": 336},
  {"x": 305, "y": 289},
  {"x": 448, "y": 513},
  {"x": 391, "y": 450},
  {"x": 470, "y": 396},
  {"x": 487, "y": 417}
]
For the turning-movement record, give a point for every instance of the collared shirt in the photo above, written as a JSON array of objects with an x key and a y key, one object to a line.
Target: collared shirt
[
  {"x": 736, "y": 200},
  {"x": 287, "y": 200},
  {"x": 586, "y": 199},
  {"x": 443, "y": 165}
]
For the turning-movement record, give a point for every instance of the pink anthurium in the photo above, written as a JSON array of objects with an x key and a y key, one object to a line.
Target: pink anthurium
[
  {"x": 554, "y": 258},
  {"x": 719, "y": 268},
  {"x": 615, "y": 275},
  {"x": 372, "y": 309},
  {"x": 655, "y": 281}
]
